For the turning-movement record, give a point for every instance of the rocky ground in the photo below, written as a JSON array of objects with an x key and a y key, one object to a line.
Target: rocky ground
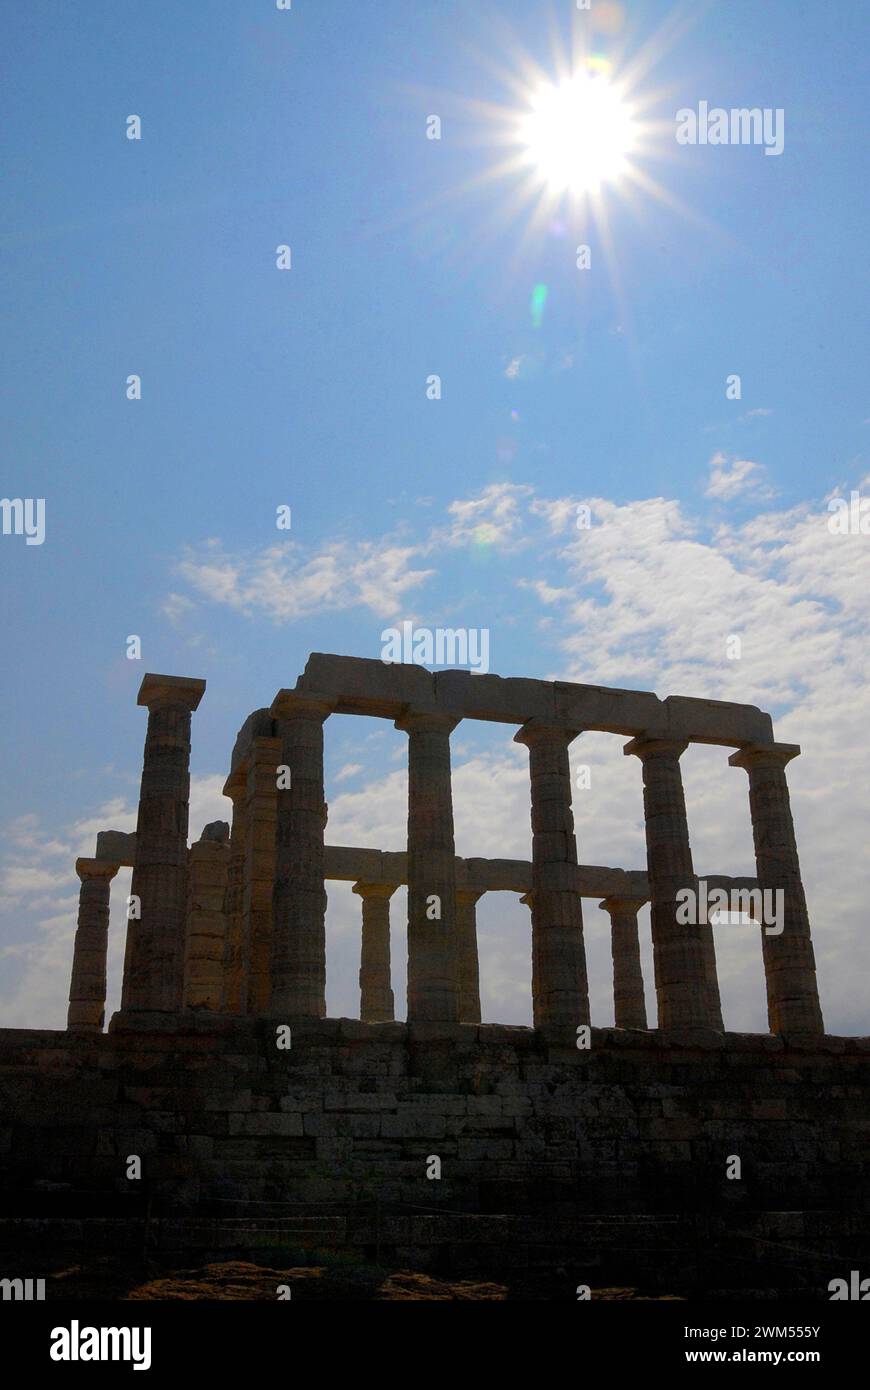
[{"x": 111, "y": 1278}]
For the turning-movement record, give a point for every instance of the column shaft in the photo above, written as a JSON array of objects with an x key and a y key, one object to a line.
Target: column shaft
[
  {"x": 629, "y": 1002},
  {"x": 432, "y": 946},
  {"x": 205, "y": 944},
  {"x": 468, "y": 962},
  {"x": 299, "y": 897},
  {"x": 789, "y": 963},
  {"x": 377, "y": 1004},
  {"x": 154, "y": 960},
  {"x": 682, "y": 988},
  {"x": 232, "y": 987},
  {"x": 87, "y": 992},
  {"x": 560, "y": 993},
  {"x": 258, "y": 876}
]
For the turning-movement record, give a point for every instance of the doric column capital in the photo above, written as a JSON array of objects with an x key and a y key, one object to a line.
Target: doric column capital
[
  {"x": 414, "y": 721},
  {"x": 374, "y": 890},
  {"x": 157, "y": 691},
  {"x": 536, "y": 731},
  {"x": 620, "y": 905},
  {"x": 644, "y": 747},
  {"x": 291, "y": 704},
  {"x": 756, "y": 755},
  {"x": 96, "y": 869}
]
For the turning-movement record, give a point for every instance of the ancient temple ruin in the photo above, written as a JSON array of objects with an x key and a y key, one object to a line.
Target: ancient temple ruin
[{"x": 234, "y": 925}]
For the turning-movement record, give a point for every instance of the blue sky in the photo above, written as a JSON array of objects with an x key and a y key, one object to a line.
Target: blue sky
[{"x": 307, "y": 387}]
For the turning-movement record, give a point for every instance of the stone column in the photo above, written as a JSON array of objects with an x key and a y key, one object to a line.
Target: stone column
[
  {"x": 235, "y": 788},
  {"x": 789, "y": 964},
  {"x": 527, "y": 900},
  {"x": 433, "y": 992},
  {"x": 87, "y": 991},
  {"x": 154, "y": 959},
  {"x": 299, "y": 897},
  {"x": 207, "y": 868},
  {"x": 711, "y": 977},
  {"x": 468, "y": 963},
  {"x": 258, "y": 876},
  {"x": 679, "y": 952},
  {"x": 560, "y": 992},
  {"x": 376, "y": 994},
  {"x": 629, "y": 1003}
]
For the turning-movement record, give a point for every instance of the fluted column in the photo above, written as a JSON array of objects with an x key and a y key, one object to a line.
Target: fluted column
[
  {"x": 377, "y": 1004},
  {"x": 468, "y": 962},
  {"x": 560, "y": 992},
  {"x": 154, "y": 959},
  {"x": 789, "y": 962},
  {"x": 679, "y": 952},
  {"x": 527, "y": 900},
  {"x": 207, "y": 868},
  {"x": 629, "y": 1003},
  {"x": 433, "y": 991},
  {"x": 711, "y": 977},
  {"x": 299, "y": 897},
  {"x": 87, "y": 991},
  {"x": 231, "y": 992},
  {"x": 258, "y": 876}
]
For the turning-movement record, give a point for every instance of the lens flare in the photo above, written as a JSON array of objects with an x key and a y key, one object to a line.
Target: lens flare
[{"x": 539, "y": 303}]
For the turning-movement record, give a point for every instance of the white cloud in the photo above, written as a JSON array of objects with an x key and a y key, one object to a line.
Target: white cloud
[
  {"x": 285, "y": 584},
  {"x": 645, "y": 598},
  {"x": 493, "y": 517},
  {"x": 349, "y": 770},
  {"x": 739, "y": 478}
]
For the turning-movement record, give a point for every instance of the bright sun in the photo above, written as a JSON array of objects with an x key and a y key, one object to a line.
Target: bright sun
[{"x": 577, "y": 134}]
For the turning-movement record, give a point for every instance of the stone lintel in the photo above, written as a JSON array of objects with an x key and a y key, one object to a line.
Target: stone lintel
[
  {"x": 345, "y": 863},
  {"x": 117, "y": 847},
  {"x": 170, "y": 690},
  {"x": 716, "y": 721},
  {"x": 369, "y": 686},
  {"x": 293, "y": 704}
]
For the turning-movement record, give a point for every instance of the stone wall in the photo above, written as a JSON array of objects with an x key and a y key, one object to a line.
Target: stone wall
[{"x": 530, "y": 1131}]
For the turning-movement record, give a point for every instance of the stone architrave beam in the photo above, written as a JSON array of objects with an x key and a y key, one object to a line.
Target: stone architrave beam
[{"x": 372, "y": 687}]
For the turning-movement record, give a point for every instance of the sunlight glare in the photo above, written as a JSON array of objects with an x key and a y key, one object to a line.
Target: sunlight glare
[{"x": 578, "y": 134}]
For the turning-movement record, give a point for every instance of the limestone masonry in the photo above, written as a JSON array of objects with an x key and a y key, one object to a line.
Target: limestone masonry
[
  {"x": 235, "y": 925},
  {"x": 597, "y": 1149}
]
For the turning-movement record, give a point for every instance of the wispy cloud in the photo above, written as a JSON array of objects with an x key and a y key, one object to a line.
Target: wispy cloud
[
  {"x": 285, "y": 583},
  {"x": 738, "y": 478}
]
